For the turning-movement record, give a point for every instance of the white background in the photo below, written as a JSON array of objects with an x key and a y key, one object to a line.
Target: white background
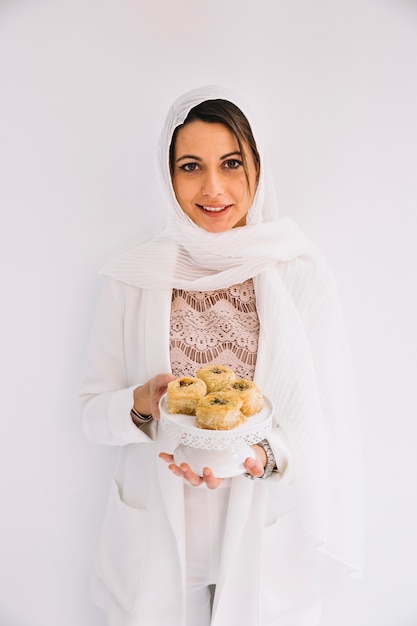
[{"x": 84, "y": 87}]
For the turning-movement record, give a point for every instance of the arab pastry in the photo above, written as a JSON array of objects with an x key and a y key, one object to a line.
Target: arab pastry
[
  {"x": 251, "y": 396},
  {"x": 183, "y": 394},
  {"x": 216, "y": 377},
  {"x": 219, "y": 410}
]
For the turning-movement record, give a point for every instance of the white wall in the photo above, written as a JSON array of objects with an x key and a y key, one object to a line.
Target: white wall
[{"x": 84, "y": 86}]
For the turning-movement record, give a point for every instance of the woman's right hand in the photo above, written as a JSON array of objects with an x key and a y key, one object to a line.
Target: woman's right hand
[{"x": 146, "y": 397}]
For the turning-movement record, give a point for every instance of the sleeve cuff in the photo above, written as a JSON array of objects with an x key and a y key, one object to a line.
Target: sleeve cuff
[
  {"x": 283, "y": 456},
  {"x": 119, "y": 420}
]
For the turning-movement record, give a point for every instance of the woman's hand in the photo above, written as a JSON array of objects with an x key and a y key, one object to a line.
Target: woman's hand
[
  {"x": 255, "y": 467},
  {"x": 184, "y": 471},
  {"x": 146, "y": 397}
]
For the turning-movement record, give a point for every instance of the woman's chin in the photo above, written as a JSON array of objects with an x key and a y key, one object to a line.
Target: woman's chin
[{"x": 219, "y": 223}]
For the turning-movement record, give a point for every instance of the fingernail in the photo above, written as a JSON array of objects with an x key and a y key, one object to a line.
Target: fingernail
[
  {"x": 206, "y": 472},
  {"x": 251, "y": 463}
]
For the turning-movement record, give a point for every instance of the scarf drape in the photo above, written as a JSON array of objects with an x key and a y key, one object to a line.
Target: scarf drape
[{"x": 307, "y": 376}]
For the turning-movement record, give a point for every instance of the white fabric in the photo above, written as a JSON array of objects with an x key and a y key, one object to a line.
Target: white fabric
[
  {"x": 205, "y": 518},
  {"x": 308, "y": 378},
  {"x": 197, "y": 606},
  {"x": 143, "y": 537}
]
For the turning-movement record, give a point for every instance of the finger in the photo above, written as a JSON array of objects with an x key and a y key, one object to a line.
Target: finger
[
  {"x": 158, "y": 388},
  {"x": 156, "y": 412},
  {"x": 155, "y": 402},
  {"x": 163, "y": 381},
  {"x": 155, "y": 409},
  {"x": 211, "y": 481},
  {"x": 254, "y": 468},
  {"x": 168, "y": 458},
  {"x": 175, "y": 470},
  {"x": 189, "y": 475}
]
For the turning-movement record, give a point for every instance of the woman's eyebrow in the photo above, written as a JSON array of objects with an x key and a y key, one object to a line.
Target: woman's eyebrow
[
  {"x": 229, "y": 154},
  {"x": 196, "y": 158},
  {"x": 188, "y": 156}
]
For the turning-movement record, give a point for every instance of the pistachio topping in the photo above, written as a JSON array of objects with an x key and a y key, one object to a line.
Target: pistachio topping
[
  {"x": 240, "y": 385},
  {"x": 221, "y": 401}
]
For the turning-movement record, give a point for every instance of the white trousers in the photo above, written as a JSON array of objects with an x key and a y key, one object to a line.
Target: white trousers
[{"x": 205, "y": 515}]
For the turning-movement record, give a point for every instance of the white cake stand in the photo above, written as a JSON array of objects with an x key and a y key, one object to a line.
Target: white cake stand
[{"x": 223, "y": 451}]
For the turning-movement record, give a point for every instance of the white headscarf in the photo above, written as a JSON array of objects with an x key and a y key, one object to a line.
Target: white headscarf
[
  {"x": 305, "y": 367},
  {"x": 186, "y": 256}
]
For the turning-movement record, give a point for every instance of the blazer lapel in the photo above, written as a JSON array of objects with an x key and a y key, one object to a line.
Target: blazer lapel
[{"x": 156, "y": 345}]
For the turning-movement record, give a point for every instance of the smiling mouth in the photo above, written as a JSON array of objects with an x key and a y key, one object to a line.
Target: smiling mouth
[{"x": 213, "y": 209}]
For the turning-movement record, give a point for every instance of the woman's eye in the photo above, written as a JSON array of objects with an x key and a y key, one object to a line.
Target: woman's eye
[
  {"x": 232, "y": 164},
  {"x": 189, "y": 167}
]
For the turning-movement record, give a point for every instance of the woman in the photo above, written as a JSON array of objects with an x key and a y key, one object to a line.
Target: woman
[{"x": 226, "y": 281}]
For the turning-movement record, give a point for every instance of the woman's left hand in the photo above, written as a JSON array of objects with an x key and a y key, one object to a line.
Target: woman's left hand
[
  {"x": 255, "y": 467},
  {"x": 184, "y": 471}
]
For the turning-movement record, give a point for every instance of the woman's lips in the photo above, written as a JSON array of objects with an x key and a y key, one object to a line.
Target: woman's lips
[{"x": 213, "y": 208}]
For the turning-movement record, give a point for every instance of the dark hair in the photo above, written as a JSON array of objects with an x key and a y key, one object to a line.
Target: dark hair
[{"x": 228, "y": 114}]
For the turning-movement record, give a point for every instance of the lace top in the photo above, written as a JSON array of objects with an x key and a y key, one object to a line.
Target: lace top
[{"x": 219, "y": 326}]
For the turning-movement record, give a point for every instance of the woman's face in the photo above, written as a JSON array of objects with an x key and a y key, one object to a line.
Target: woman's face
[{"x": 209, "y": 179}]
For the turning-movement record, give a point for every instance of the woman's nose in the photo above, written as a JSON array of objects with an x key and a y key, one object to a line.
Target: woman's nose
[{"x": 212, "y": 183}]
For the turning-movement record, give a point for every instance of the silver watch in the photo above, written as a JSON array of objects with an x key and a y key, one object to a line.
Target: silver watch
[{"x": 270, "y": 466}]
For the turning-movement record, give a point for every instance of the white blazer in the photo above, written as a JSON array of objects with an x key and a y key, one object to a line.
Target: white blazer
[{"x": 268, "y": 563}]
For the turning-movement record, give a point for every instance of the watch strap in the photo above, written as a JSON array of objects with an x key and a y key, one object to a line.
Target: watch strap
[{"x": 139, "y": 416}]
